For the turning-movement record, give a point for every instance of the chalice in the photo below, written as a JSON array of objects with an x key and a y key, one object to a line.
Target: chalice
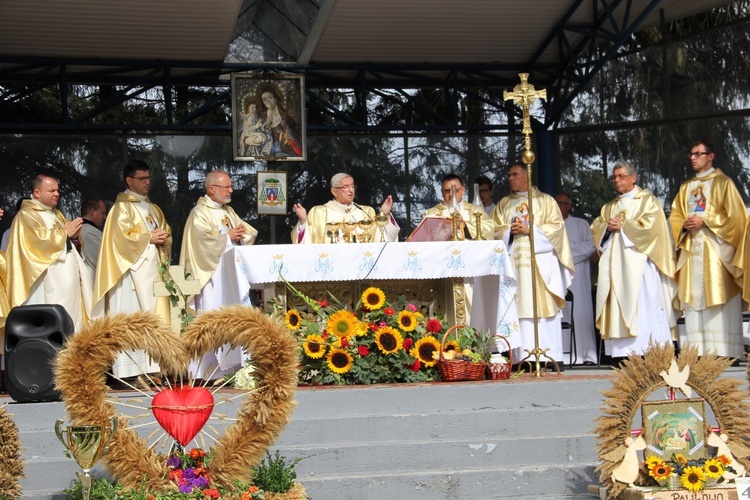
[
  {"x": 349, "y": 228},
  {"x": 86, "y": 443},
  {"x": 382, "y": 220},
  {"x": 365, "y": 227},
  {"x": 332, "y": 230}
]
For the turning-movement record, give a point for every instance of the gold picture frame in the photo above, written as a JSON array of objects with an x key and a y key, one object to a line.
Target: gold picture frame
[
  {"x": 268, "y": 117},
  {"x": 675, "y": 427}
]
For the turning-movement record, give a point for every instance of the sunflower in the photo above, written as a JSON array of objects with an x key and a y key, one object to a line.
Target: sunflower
[
  {"x": 660, "y": 470},
  {"x": 292, "y": 319},
  {"x": 407, "y": 321},
  {"x": 713, "y": 468},
  {"x": 650, "y": 461},
  {"x": 373, "y": 298},
  {"x": 693, "y": 479},
  {"x": 424, "y": 348},
  {"x": 725, "y": 460},
  {"x": 388, "y": 339},
  {"x": 362, "y": 328},
  {"x": 314, "y": 346},
  {"x": 342, "y": 324},
  {"x": 339, "y": 361},
  {"x": 451, "y": 345},
  {"x": 680, "y": 459}
]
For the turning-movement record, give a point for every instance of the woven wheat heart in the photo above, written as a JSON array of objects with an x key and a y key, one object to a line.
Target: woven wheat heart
[{"x": 80, "y": 374}]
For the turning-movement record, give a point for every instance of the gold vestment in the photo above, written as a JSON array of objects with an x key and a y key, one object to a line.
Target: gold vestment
[
  {"x": 124, "y": 239},
  {"x": 548, "y": 219},
  {"x": 467, "y": 214},
  {"x": 725, "y": 217},
  {"x": 32, "y": 248},
  {"x": 203, "y": 243},
  {"x": 646, "y": 227}
]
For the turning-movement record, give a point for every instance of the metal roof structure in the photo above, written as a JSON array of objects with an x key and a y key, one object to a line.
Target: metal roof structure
[{"x": 161, "y": 46}]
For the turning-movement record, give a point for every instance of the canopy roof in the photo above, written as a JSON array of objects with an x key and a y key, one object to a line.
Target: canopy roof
[{"x": 336, "y": 43}]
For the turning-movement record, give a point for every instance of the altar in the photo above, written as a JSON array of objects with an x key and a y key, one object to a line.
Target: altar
[{"x": 469, "y": 281}]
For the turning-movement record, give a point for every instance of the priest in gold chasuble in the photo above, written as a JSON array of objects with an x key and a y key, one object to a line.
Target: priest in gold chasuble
[
  {"x": 465, "y": 209},
  {"x": 555, "y": 267},
  {"x": 708, "y": 218},
  {"x": 44, "y": 264},
  {"x": 636, "y": 289},
  {"x": 311, "y": 227},
  {"x": 212, "y": 228},
  {"x": 136, "y": 239}
]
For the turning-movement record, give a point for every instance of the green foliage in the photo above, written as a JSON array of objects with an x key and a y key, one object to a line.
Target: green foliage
[
  {"x": 274, "y": 474},
  {"x": 102, "y": 489}
]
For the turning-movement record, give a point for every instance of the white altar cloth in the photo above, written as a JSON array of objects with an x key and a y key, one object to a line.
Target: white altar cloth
[{"x": 483, "y": 264}]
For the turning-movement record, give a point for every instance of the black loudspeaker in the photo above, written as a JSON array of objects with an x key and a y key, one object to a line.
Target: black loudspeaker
[{"x": 33, "y": 336}]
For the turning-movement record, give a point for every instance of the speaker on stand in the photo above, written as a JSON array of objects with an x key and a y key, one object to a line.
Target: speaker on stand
[{"x": 33, "y": 336}]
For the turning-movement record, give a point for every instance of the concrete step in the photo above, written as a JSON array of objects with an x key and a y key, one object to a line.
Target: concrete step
[{"x": 523, "y": 438}]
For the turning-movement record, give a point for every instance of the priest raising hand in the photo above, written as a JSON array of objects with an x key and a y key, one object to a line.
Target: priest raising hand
[{"x": 311, "y": 227}]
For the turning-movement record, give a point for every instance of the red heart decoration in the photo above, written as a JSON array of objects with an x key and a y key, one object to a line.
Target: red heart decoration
[{"x": 183, "y": 412}]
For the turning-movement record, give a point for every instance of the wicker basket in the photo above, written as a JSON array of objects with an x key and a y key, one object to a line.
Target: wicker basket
[
  {"x": 454, "y": 370},
  {"x": 496, "y": 371}
]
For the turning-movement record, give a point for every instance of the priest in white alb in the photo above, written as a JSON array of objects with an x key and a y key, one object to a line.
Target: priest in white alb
[
  {"x": 212, "y": 228},
  {"x": 312, "y": 226},
  {"x": 582, "y": 247},
  {"x": 636, "y": 288},
  {"x": 135, "y": 242},
  {"x": 554, "y": 263},
  {"x": 44, "y": 266}
]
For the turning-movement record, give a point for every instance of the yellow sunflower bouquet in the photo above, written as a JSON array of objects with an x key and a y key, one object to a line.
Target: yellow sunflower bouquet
[
  {"x": 377, "y": 342},
  {"x": 681, "y": 473}
]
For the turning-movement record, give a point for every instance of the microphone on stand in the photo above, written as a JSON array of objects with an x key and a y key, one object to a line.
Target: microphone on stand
[{"x": 363, "y": 211}]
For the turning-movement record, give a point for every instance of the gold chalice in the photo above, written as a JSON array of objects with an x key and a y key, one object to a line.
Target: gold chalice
[
  {"x": 349, "y": 228},
  {"x": 332, "y": 230},
  {"x": 365, "y": 231},
  {"x": 86, "y": 444},
  {"x": 382, "y": 220}
]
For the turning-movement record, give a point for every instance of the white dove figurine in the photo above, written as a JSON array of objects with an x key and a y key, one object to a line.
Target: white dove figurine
[{"x": 677, "y": 379}]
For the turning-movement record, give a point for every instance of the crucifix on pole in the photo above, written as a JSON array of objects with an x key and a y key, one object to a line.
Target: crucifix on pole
[{"x": 524, "y": 94}]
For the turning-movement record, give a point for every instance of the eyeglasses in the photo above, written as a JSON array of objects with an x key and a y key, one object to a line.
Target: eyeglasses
[
  {"x": 147, "y": 178},
  {"x": 348, "y": 187},
  {"x": 225, "y": 188},
  {"x": 697, "y": 154},
  {"x": 621, "y": 176}
]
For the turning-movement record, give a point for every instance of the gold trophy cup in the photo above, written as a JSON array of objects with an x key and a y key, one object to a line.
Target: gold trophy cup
[{"x": 86, "y": 444}]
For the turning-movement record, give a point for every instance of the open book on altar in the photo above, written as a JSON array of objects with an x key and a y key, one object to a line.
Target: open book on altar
[{"x": 433, "y": 229}]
